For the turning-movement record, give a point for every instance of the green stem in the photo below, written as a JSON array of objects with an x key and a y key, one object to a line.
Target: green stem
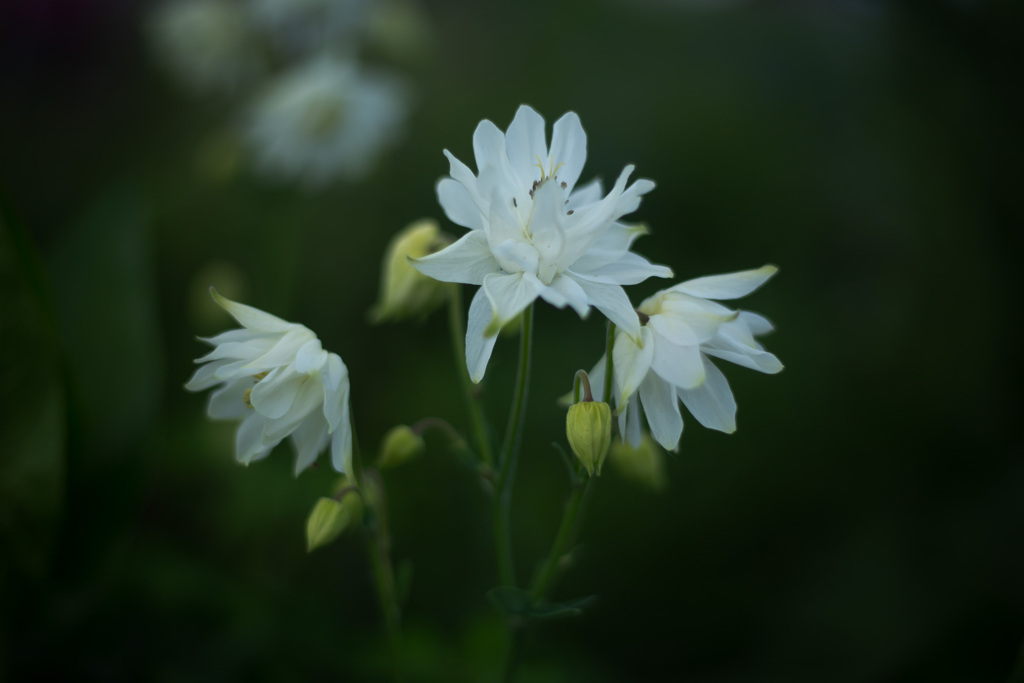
[
  {"x": 476, "y": 416},
  {"x": 383, "y": 571},
  {"x": 510, "y": 454},
  {"x": 572, "y": 507}
]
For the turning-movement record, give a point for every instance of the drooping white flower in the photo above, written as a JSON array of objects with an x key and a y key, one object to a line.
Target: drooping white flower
[
  {"x": 682, "y": 329},
  {"x": 323, "y": 120},
  {"x": 207, "y": 44},
  {"x": 277, "y": 379},
  {"x": 534, "y": 234}
]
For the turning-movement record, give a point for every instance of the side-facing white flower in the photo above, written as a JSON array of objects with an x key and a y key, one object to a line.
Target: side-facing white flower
[
  {"x": 323, "y": 120},
  {"x": 533, "y": 234},
  {"x": 277, "y": 379},
  {"x": 669, "y": 361}
]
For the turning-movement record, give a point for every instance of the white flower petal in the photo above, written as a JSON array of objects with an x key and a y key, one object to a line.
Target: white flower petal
[
  {"x": 273, "y": 396},
  {"x": 611, "y": 300},
  {"x": 311, "y": 357},
  {"x": 462, "y": 174},
  {"x": 336, "y": 389},
  {"x": 630, "y": 424},
  {"x": 308, "y": 395},
  {"x": 586, "y": 195},
  {"x": 762, "y": 361},
  {"x": 569, "y": 147},
  {"x": 309, "y": 438},
  {"x": 241, "y": 350},
  {"x": 478, "y": 346},
  {"x": 509, "y": 295},
  {"x": 467, "y": 260},
  {"x": 249, "y": 444},
  {"x": 629, "y": 269},
  {"x": 570, "y": 292},
  {"x": 488, "y": 147},
  {"x": 596, "y": 376},
  {"x": 250, "y": 317},
  {"x": 757, "y": 324},
  {"x": 526, "y": 145},
  {"x": 548, "y": 237},
  {"x": 283, "y": 352},
  {"x": 728, "y": 286},
  {"x": 712, "y": 404},
  {"x": 204, "y": 377},
  {"x": 632, "y": 360},
  {"x": 228, "y": 402},
  {"x": 458, "y": 204},
  {"x": 680, "y": 365},
  {"x": 341, "y": 446},
  {"x": 662, "y": 410}
]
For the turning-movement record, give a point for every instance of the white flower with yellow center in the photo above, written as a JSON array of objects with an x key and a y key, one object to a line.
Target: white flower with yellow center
[
  {"x": 534, "y": 234},
  {"x": 323, "y": 120},
  {"x": 277, "y": 379},
  {"x": 670, "y": 360}
]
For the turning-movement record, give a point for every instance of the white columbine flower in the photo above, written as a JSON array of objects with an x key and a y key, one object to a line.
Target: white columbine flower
[
  {"x": 669, "y": 361},
  {"x": 276, "y": 378},
  {"x": 533, "y": 234},
  {"x": 323, "y": 120}
]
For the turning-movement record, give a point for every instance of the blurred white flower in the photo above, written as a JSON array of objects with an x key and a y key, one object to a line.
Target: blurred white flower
[
  {"x": 206, "y": 44},
  {"x": 669, "y": 361},
  {"x": 308, "y": 26},
  {"x": 323, "y": 120},
  {"x": 276, "y": 378},
  {"x": 534, "y": 234}
]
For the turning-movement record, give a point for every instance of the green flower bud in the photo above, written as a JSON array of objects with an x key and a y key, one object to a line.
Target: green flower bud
[
  {"x": 406, "y": 292},
  {"x": 644, "y": 464},
  {"x": 331, "y": 516},
  {"x": 399, "y": 445},
  {"x": 588, "y": 425}
]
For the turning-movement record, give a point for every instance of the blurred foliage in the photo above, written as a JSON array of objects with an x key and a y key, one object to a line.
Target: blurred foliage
[{"x": 864, "y": 523}]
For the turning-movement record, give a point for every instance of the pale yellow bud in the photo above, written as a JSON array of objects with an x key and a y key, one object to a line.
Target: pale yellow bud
[
  {"x": 405, "y": 292},
  {"x": 588, "y": 425},
  {"x": 331, "y": 516},
  {"x": 399, "y": 445}
]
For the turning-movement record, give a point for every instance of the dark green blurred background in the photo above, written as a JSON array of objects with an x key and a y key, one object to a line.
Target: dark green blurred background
[{"x": 865, "y": 523}]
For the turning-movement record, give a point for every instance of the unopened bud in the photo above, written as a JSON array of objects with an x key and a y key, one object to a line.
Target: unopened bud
[
  {"x": 331, "y": 516},
  {"x": 406, "y": 292},
  {"x": 399, "y": 445},
  {"x": 588, "y": 425}
]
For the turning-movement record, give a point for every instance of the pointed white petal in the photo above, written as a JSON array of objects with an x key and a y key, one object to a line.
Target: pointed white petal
[
  {"x": 728, "y": 286},
  {"x": 308, "y": 396},
  {"x": 478, "y": 347},
  {"x": 680, "y": 365},
  {"x": 509, "y": 295},
  {"x": 273, "y": 396},
  {"x": 241, "y": 350},
  {"x": 526, "y": 144},
  {"x": 569, "y": 147},
  {"x": 461, "y": 174},
  {"x": 632, "y": 360},
  {"x": 237, "y": 335},
  {"x": 755, "y": 359},
  {"x": 757, "y": 324},
  {"x": 546, "y": 228},
  {"x": 250, "y": 317},
  {"x": 571, "y": 292},
  {"x": 467, "y": 261},
  {"x": 309, "y": 438},
  {"x": 488, "y": 147},
  {"x": 458, "y": 205},
  {"x": 662, "y": 410},
  {"x": 586, "y": 195},
  {"x": 204, "y": 377},
  {"x": 341, "y": 446},
  {"x": 283, "y": 352},
  {"x": 596, "y": 376},
  {"x": 632, "y": 425},
  {"x": 611, "y": 300},
  {"x": 336, "y": 388},
  {"x": 228, "y": 402},
  {"x": 249, "y": 444},
  {"x": 704, "y": 318},
  {"x": 712, "y": 403},
  {"x": 629, "y": 269},
  {"x": 311, "y": 357}
]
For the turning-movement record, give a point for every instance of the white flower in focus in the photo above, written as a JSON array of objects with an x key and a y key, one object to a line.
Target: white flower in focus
[
  {"x": 671, "y": 360},
  {"x": 534, "y": 234},
  {"x": 276, "y": 378},
  {"x": 325, "y": 119},
  {"x": 207, "y": 44}
]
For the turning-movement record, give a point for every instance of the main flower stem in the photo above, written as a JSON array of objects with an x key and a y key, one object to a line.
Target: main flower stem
[
  {"x": 510, "y": 455},
  {"x": 383, "y": 570},
  {"x": 572, "y": 507},
  {"x": 476, "y": 416}
]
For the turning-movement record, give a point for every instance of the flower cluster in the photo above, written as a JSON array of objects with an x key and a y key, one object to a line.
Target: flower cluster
[
  {"x": 534, "y": 234},
  {"x": 277, "y": 379}
]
